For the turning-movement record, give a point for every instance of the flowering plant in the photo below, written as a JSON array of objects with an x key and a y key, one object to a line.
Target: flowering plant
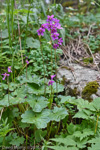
[
  {"x": 52, "y": 25},
  {"x": 5, "y": 74}
]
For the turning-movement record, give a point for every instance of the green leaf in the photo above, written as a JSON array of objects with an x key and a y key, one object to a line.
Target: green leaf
[
  {"x": 94, "y": 140},
  {"x": 39, "y": 119},
  {"x": 59, "y": 51},
  {"x": 62, "y": 31},
  {"x": 43, "y": 7},
  {"x": 4, "y": 34},
  {"x": 86, "y": 132},
  {"x": 4, "y": 128},
  {"x": 34, "y": 89},
  {"x": 32, "y": 43},
  {"x": 58, "y": 114},
  {"x": 96, "y": 104},
  {"x": 66, "y": 141},
  {"x": 29, "y": 42},
  {"x": 39, "y": 134},
  {"x": 81, "y": 114},
  {"x": 60, "y": 88},
  {"x": 71, "y": 128},
  {"x": 62, "y": 148},
  {"x": 94, "y": 147},
  {"x": 17, "y": 141},
  {"x": 37, "y": 102},
  {"x": 67, "y": 99},
  {"x": 12, "y": 100}
]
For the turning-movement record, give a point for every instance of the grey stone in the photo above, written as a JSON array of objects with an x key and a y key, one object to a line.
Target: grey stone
[
  {"x": 79, "y": 77},
  {"x": 93, "y": 96}
]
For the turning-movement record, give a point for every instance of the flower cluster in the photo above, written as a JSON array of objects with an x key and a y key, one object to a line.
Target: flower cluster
[
  {"x": 51, "y": 81},
  {"x": 52, "y": 25},
  {"x": 5, "y": 74}
]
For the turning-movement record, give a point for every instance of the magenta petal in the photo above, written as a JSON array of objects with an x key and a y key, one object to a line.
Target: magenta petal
[
  {"x": 9, "y": 69},
  {"x": 52, "y": 76},
  {"x": 50, "y": 82}
]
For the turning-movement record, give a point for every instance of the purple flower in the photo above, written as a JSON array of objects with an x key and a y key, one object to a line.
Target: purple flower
[
  {"x": 50, "y": 18},
  {"x": 50, "y": 82},
  {"x": 44, "y": 26},
  {"x": 53, "y": 30},
  {"x": 55, "y": 46},
  {"x": 56, "y": 20},
  {"x": 4, "y": 75},
  {"x": 52, "y": 76},
  {"x": 27, "y": 62},
  {"x": 58, "y": 26},
  {"x": 25, "y": 97},
  {"x": 60, "y": 41},
  {"x": 9, "y": 69},
  {"x": 41, "y": 31},
  {"x": 49, "y": 26},
  {"x": 55, "y": 36},
  {"x": 54, "y": 26}
]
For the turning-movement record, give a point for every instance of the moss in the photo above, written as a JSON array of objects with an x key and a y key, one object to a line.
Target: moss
[
  {"x": 89, "y": 89},
  {"x": 72, "y": 92},
  {"x": 88, "y": 60},
  {"x": 75, "y": 92}
]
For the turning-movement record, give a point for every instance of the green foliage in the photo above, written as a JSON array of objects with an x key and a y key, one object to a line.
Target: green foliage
[
  {"x": 4, "y": 128},
  {"x": 31, "y": 112},
  {"x": 37, "y": 103},
  {"x": 17, "y": 140},
  {"x": 39, "y": 119}
]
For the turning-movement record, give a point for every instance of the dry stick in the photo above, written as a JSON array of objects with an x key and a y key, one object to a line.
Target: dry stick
[
  {"x": 1, "y": 113},
  {"x": 89, "y": 47},
  {"x": 90, "y": 30},
  {"x": 19, "y": 34},
  {"x": 93, "y": 57}
]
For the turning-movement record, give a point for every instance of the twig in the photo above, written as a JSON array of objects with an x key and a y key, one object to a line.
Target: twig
[
  {"x": 92, "y": 56},
  {"x": 1, "y": 113}
]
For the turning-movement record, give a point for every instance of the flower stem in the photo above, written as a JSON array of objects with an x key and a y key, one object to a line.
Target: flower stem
[
  {"x": 8, "y": 90},
  {"x": 49, "y": 133},
  {"x": 43, "y": 65},
  {"x": 51, "y": 53},
  {"x": 56, "y": 72},
  {"x": 58, "y": 128},
  {"x": 96, "y": 123},
  {"x": 26, "y": 71}
]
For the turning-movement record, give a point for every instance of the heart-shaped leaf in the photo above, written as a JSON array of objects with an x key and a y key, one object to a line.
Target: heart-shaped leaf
[
  {"x": 58, "y": 114},
  {"x": 39, "y": 119},
  {"x": 37, "y": 102}
]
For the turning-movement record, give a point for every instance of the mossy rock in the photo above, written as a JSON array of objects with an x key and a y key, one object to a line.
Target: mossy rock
[
  {"x": 89, "y": 89},
  {"x": 88, "y": 60}
]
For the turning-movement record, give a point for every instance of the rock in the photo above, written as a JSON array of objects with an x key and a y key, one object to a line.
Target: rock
[
  {"x": 78, "y": 76},
  {"x": 93, "y": 96},
  {"x": 98, "y": 92}
]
